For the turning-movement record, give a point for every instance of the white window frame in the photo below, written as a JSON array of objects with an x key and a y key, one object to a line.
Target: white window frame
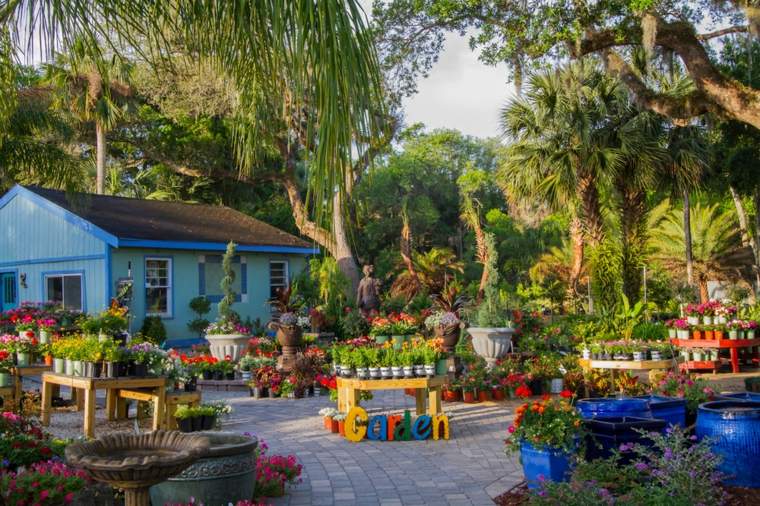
[
  {"x": 169, "y": 286},
  {"x": 63, "y": 287},
  {"x": 286, "y": 274}
]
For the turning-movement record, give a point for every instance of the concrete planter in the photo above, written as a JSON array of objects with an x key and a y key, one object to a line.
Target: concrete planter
[
  {"x": 225, "y": 474},
  {"x": 491, "y": 343},
  {"x": 227, "y": 345}
]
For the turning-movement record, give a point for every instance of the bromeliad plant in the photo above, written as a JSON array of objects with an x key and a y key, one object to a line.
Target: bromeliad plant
[{"x": 549, "y": 423}]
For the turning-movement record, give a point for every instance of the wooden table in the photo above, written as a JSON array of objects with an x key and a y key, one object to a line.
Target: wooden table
[
  {"x": 9, "y": 395},
  {"x": 349, "y": 388},
  {"x": 174, "y": 399},
  {"x": 19, "y": 373},
  {"x": 626, "y": 365},
  {"x": 733, "y": 345},
  {"x": 163, "y": 418},
  {"x": 112, "y": 386}
]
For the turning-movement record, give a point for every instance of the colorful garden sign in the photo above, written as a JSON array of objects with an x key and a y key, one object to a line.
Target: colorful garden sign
[{"x": 395, "y": 427}]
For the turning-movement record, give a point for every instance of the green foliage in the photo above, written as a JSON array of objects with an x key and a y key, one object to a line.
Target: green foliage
[
  {"x": 200, "y": 306},
  {"x": 153, "y": 329},
  {"x": 228, "y": 279}
]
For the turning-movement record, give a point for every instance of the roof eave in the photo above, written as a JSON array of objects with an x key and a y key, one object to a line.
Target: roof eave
[{"x": 126, "y": 242}]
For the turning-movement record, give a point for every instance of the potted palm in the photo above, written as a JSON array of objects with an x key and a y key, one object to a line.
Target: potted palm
[
  {"x": 226, "y": 337},
  {"x": 546, "y": 434}
]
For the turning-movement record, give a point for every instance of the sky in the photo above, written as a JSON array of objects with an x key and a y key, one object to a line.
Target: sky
[{"x": 461, "y": 92}]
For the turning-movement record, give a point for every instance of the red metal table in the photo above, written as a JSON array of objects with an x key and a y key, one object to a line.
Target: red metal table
[{"x": 733, "y": 345}]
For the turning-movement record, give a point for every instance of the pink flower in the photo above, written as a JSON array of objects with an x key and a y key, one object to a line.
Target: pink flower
[{"x": 68, "y": 498}]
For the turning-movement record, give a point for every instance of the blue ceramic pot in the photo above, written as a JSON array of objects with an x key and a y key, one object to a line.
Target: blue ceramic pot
[
  {"x": 670, "y": 409},
  {"x": 733, "y": 427},
  {"x": 540, "y": 464},
  {"x": 612, "y": 407},
  {"x": 607, "y": 434}
]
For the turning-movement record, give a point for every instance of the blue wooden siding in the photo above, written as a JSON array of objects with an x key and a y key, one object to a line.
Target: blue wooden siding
[
  {"x": 34, "y": 241},
  {"x": 186, "y": 284}
]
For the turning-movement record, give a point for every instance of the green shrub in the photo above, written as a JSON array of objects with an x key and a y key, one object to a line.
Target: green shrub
[{"x": 153, "y": 329}]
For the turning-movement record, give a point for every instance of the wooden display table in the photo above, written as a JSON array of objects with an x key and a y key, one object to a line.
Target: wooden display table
[
  {"x": 19, "y": 373},
  {"x": 349, "y": 388},
  {"x": 112, "y": 386},
  {"x": 9, "y": 398},
  {"x": 162, "y": 419},
  {"x": 627, "y": 365},
  {"x": 174, "y": 399},
  {"x": 731, "y": 344}
]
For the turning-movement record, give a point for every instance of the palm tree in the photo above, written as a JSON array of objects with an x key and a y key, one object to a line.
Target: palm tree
[
  {"x": 564, "y": 148},
  {"x": 314, "y": 59},
  {"x": 715, "y": 237},
  {"x": 433, "y": 271},
  {"x": 94, "y": 91}
]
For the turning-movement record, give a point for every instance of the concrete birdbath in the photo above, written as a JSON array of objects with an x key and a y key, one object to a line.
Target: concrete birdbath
[{"x": 135, "y": 462}]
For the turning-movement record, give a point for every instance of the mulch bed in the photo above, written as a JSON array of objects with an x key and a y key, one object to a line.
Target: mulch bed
[{"x": 737, "y": 496}]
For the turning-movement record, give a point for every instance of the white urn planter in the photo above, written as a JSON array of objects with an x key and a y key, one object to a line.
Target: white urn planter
[
  {"x": 227, "y": 345},
  {"x": 491, "y": 343}
]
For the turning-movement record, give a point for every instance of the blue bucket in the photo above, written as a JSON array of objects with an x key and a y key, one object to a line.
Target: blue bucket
[
  {"x": 547, "y": 464},
  {"x": 670, "y": 409},
  {"x": 733, "y": 427},
  {"x": 612, "y": 407}
]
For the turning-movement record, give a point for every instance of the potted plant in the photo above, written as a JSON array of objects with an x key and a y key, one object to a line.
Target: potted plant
[
  {"x": 289, "y": 332},
  {"x": 380, "y": 329},
  {"x": 491, "y": 328},
  {"x": 186, "y": 418},
  {"x": 361, "y": 362},
  {"x": 693, "y": 314},
  {"x": 429, "y": 357},
  {"x": 682, "y": 328},
  {"x": 327, "y": 415},
  {"x": 341, "y": 419},
  {"x": 142, "y": 356},
  {"x": 639, "y": 353},
  {"x": 373, "y": 362},
  {"x": 697, "y": 332},
  {"x": 720, "y": 332},
  {"x": 227, "y": 369},
  {"x": 245, "y": 365},
  {"x": 24, "y": 346},
  {"x": 207, "y": 415},
  {"x": 709, "y": 332},
  {"x": 446, "y": 322},
  {"x": 406, "y": 358},
  {"x": 45, "y": 326},
  {"x": 670, "y": 324},
  {"x": 708, "y": 311},
  {"x": 749, "y": 329},
  {"x": 6, "y": 363},
  {"x": 58, "y": 350},
  {"x": 226, "y": 336},
  {"x": 419, "y": 362},
  {"x": 387, "y": 360},
  {"x": 734, "y": 328},
  {"x": 546, "y": 434},
  {"x": 402, "y": 326}
]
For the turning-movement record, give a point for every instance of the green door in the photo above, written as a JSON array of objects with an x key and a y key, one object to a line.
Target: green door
[{"x": 8, "y": 295}]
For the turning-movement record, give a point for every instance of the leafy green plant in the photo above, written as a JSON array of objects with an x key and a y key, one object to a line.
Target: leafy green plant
[
  {"x": 228, "y": 299},
  {"x": 200, "y": 306},
  {"x": 153, "y": 329}
]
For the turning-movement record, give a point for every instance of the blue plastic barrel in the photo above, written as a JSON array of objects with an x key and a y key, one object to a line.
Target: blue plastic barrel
[
  {"x": 670, "y": 409},
  {"x": 733, "y": 427},
  {"x": 611, "y": 407},
  {"x": 607, "y": 434}
]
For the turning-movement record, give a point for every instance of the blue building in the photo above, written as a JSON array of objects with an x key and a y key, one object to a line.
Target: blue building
[{"x": 78, "y": 250}]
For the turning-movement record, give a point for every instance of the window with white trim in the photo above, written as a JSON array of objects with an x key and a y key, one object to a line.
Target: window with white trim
[
  {"x": 278, "y": 276},
  {"x": 65, "y": 290},
  {"x": 158, "y": 287}
]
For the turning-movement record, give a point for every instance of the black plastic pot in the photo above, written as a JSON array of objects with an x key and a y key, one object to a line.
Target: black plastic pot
[
  {"x": 139, "y": 370},
  {"x": 185, "y": 424},
  {"x": 197, "y": 423},
  {"x": 207, "y": 375},
  {"x": 536, "y": 386},
  {"x": 192, "y": 385},
  {"x": 93, "y": 369},
  {"x": 112, "y": 370},
  {"x": 218, "y": 375},
  {"x": 607, "y": 434},
  {"x": 207, "y": 422},
  {"x": 311, "y": 391},
  {"x": 230, "y": 376}
]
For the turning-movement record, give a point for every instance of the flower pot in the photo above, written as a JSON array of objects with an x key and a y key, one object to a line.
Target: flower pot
[
  {"x": 430, "y": 370},
  {"x": 44, "y": 337},
  {"x": 245, "y": 375},
  {"x": 218, "y": 376},
  {"x": 342, "y": 427},
  {"x": 386, "y": 373},
  {"x": 497, "y": 393},
  {"x": 557, "y": 385},
  {"x": 419, "y": 370},
  {"x": 207, "y": 422},
  {"x": 223, "y": 345},
  {"x": 224, "y": 474},
  {"x": 692, "y": 320},
  {"x": 408, "y": 371},
  {"x": 69, "y": 367},
  {"x": 655, "y": 355},
  {"x": 380, "y": 339},
  {"x": 484, "y": 395},
  {"x": 750, "y": 334},
  {"x": 698, "y": 356},
  {"x": 362, "y": 372},
  {"x": 191, "y": 386},
  {"x": 709, "y": 334},
  {"x": 451, "y": 395},
  {"x": 5, "y": 379},
  {"x": 185, "y": 424},
  {"x": 719, "y": 334},
  {"x": 491, "y": 343},
  {"x": 139, "y": 370},
  {"x": 93, "y": 369},
  {"x": 672, "y": 333},
  {"x": 468, "y": 396},
  {"x": 230, "y": 376},
  {"x": 697, "y": 334},
  {"x": 289, "y": 337},
  {"x": 606, "y": 407},
  {"x": 398, "y": 342},
  {"x": 450, "y": 336},
  {"x": 334, "y": 426},
  {"x": 733, "y": 426},
  {"x": 607, "y": 434},
  {"x": 48, "y": 360},
  {"x": 637, "y": 356},
  {"x": 78, "y": 367},
  {"x": 544, "y": 464},
  {"x": 707, "y": 320},
  {"x": 683, "y": 333},
  {"x": 733, "y": 334},
  {"x": 327, "y": 422},
  {"x": 374, "y": 372},
  {"x": 442, "y": 367},
  {"x": 398, "y": 372},
  {"x": 207, "y": 375},
  {"x": 23, "y": 359},
  {"x": 197, "y": 423},
  {"x": 59, "y": 365},
  {"x": 310, "y": 391},
  {"x": 586, "y": 354}
]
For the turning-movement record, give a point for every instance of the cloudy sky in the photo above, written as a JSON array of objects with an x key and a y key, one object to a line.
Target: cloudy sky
[{"x": 461, "y": 92}]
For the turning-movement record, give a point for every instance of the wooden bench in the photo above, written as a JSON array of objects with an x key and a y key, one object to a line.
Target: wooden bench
[
  {"x": 174, "y": 399},
  {"x": 349, "y": 389}
]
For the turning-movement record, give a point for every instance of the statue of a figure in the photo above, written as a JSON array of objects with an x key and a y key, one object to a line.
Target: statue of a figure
[{"x": 368, "y": 293}]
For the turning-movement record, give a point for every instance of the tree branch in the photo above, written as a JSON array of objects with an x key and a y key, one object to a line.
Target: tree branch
[{"x": 721, "y": 33}]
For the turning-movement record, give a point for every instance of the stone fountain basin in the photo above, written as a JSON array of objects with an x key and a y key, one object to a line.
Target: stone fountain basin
[{"x": 137, "y": 460}]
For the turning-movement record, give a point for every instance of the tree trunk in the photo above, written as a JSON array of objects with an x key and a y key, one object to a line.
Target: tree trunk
[
  {"x": 747, "y": 238},
  {"x": 100, "y": 157},
  {"x": 704, "y": 294},
  {"x": 576, "y": 240},
  {"x": 405, "y": 247},
  {"x": 588, "y": 193},
  {"x": 632, "y": 222},
  {"x": 342, "y": 249},
  {"x": 687, "y": 239}
]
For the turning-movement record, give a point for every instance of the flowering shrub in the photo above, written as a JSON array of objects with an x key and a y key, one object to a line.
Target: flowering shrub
[
  {"x": 672, "y": 470},
  {"x": 24, "y": 343},
  {"x": 553, "y": 423},
  {"x": 5, "y": 361},
  {"x": 273, "y": 472},
  {"x": 695, "y": 391},
  {"x": 43, "y": 483},
  {"x": 22, "y": 443}
]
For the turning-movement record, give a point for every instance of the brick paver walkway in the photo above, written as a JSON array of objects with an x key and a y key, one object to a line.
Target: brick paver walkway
[{"x": 469, "y": 469}]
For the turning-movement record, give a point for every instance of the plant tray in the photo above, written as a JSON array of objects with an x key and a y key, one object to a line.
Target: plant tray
[{"x": 700, "y": 364}]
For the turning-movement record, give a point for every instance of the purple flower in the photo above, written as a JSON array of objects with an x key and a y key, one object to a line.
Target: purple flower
[
  {"x": 668, "y": 454},
  {"x": 641, "y": 466},
  {"x": 626, "y": 447},
  {"x": 541, "y": 478}
]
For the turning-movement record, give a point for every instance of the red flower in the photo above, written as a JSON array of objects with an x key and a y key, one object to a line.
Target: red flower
[
  {"x": 523, "y": 391},
  {"x": 566, "y": 394},
  {"x": 511, "y": 429}
]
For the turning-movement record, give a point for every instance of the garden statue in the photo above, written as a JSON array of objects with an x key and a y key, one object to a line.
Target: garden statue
[{"x": 368, "y": 293}]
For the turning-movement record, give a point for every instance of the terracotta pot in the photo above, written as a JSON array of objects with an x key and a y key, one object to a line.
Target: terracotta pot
[
  {"x": 484, "y": 395},
  {"x": 48, "y": 359},
  {"x": 709, "y": 334},
  {"x": 327, "y": 422},
  {"x": 450, "y": 336},
  {"x": 342, "y": 427},
  {"x": 469, "y": 397},
  {"x": 498, "y": 394},
  {"x": 451, "y": 395},
  {"x": 719, "y": 334},
  {"x": 334, "y": 426},
  {"x": 697, "y": 334}
]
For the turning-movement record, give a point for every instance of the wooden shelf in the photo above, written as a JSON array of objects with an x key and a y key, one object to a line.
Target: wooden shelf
[
  {"x": 715, "y": 343},
  {"x": 693, "y": 365},
  {"x": 631, "y": 365}
]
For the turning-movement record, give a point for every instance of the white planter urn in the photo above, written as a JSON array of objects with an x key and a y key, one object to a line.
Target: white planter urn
[
  {"x": 491, "y": 343},
  {"x": 227, "y": 345}
]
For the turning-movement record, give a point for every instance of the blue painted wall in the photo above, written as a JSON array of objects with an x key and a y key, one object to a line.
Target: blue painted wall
[
  {"x": 187, "y": 283},
  {"x": 35, "y": 241}
]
